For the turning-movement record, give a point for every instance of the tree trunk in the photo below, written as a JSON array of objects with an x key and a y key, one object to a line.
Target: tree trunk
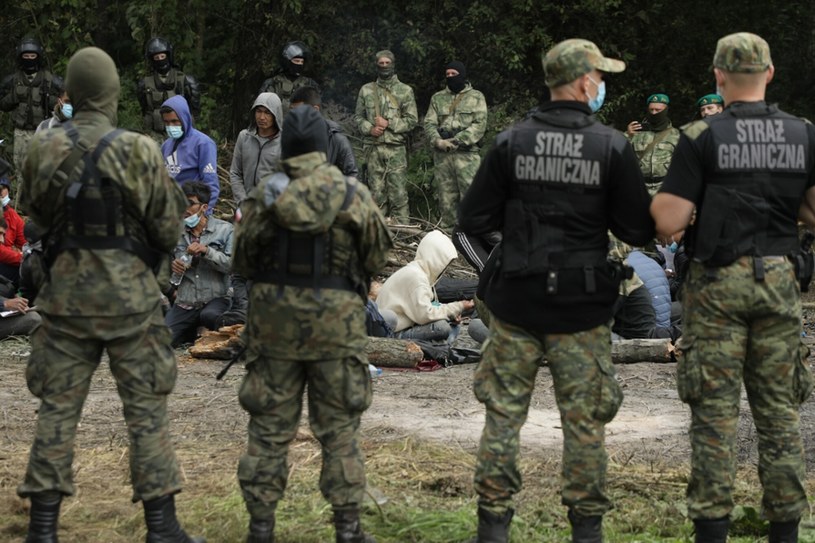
[
  {"x": 393, "y": 353},
  {"x": 222, "y": 344},
  {"x": 626, "y": 351}
]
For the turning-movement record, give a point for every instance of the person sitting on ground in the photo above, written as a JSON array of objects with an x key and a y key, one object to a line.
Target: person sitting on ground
[
  {"x": 32, "y": 271},
  {"x": 15, "y": 317},
  {"x": 409, "y": 293},
  {"x": 378, "y": 323},
  {"x": 201, "y": 297},
  {"x": 11, "y": 249},
  {"x": 63, "y": 112}
]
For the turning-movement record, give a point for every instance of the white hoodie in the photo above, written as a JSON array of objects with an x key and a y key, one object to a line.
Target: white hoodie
[{"x": 409, "y": 292}]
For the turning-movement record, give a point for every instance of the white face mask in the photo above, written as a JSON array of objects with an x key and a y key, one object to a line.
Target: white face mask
[
  {"x": 192, "y": 221},
  {"x": 5, "y": 201}
]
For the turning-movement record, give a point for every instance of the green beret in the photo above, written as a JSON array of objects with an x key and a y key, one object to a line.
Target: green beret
[
  {"x": 709, "y": 99},
  {"x": 658, "y": 99}
]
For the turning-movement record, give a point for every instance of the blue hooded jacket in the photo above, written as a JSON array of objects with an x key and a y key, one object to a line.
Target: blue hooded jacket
[{"x": 193, "y": 157}]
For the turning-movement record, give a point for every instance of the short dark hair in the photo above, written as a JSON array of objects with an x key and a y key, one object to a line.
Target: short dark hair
[
  {"x": 306, "y": 95},
  {"x": 166, "y": 109},
  {"x": 198, "y": 189}
]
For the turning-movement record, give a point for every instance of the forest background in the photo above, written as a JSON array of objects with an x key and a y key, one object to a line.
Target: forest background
[{"x": 231, "y": 46}]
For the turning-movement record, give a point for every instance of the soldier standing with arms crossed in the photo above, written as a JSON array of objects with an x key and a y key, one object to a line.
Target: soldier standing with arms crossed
[
  {"x": 105, "y": 200},
  {"x": 549, "y": 286},
  {"x": 749, "y": 173}
]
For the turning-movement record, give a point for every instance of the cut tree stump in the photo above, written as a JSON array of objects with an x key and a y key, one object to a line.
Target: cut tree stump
[
  {"x": 627, "y": 351},
  {"x": 222, "y": 344},
  {"x": 393, "y": 353}
]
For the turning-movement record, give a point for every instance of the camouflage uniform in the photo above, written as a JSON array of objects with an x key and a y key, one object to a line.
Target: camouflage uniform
[
  {"x": 550, "y": 289},
  {"x": 588, "y": 397},
  {"x": 298, "y": 337},
  {"x": 101, "y": 300},
  {"x": 654, "y": 162},
  {"x": 385, "y": 156},
  {"x": 741, "y": 305},
  {"x": 464, "y": 117}
]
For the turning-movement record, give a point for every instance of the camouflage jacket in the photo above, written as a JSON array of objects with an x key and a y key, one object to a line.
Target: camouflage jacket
[
  {"x": 109, "y": 282},
  {"x": 462, "y": 115},
  {"x": 392, "y": 100},
  {"x": 298, "y": 323},
  {"x": 654, "y": 163}
]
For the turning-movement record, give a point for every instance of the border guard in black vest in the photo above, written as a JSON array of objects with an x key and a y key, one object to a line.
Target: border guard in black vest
[{"x": 554, "y": 185}]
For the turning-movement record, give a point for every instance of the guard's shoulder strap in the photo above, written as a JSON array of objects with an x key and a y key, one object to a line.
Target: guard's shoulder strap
[
  {"x": 105, "y": 142},
  {"x": 350, "y": 191},
  {"x": 78, "y": 150}
]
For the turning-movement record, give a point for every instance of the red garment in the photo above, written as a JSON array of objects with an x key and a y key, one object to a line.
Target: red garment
[{"x": 15, "y": 239}]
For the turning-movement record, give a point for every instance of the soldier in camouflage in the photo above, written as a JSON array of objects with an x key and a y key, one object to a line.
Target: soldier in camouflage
[
  {"x": 709, "y": 105},
  {"x": 654, "y": 140},
  {"x": 748, "y": 173},
  {"x": 285, "y": 81},
  {"x": 455, "y": 124},
  {"x": 554, "y": 185},
  {"x": 308, "y": 239},
  {"x": 30, "y": 95},
  {"x": 101, "y": 294},
  {"x": 385, "y": 114}
]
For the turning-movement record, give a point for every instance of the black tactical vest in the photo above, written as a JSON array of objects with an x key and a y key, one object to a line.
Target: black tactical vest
[
  {"x": 327, "y": 260},
  {"x": 559, "y": 170},
  {"x": 756, "y": 160},
  {"x": 157, "y": 92},
  {"x": 33, "y": 99},
  {"x": 95, "y": 216}
]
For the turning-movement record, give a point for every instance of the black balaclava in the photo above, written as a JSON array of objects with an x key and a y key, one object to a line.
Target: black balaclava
[
  {"x": 659, "y": 121},
  {"x": 456, "y": 83},
  {"x": 304, "y": 131}
]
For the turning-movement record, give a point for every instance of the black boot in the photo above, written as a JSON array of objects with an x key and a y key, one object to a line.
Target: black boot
[
  {"x": 586, "y": 529},
  {"x": 711, "y": 530},
  {"x": 493, "y": 528},
  {"x": 261, "y": 530},
  {"x": 42, "y": 526},
  {"x": 162, "y": 526},
  {"x": 784, "y": 532},
  {"x": 349, "y": 530}
]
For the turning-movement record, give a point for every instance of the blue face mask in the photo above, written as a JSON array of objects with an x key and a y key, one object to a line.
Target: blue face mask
[
  {"x": 597, "y": 102},
  {"x": 68, "y": 110},
  {"x": 193, "y": 220},
  {"x": 174, "y": 132},
  {"x": 5, "y": 201}
]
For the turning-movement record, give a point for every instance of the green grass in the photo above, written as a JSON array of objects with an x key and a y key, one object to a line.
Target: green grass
[{"x": 428, "y": 489}]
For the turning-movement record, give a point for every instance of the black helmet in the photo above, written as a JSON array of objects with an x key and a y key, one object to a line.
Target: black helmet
[
  {"x": 159, "y": 45},
  {"x": 295, "y": 49},
  {"x": 29, "y": 45}
]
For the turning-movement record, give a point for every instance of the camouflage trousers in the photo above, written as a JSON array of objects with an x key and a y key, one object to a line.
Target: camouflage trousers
[
  {"x": 587, "y": 395},
  {"x": 65, "y": 352},
  {"x": 387, "y": 179},
  {"x": 453, "y": 175},
  {"x": 339, "y": 391},
  {"x": 737, "y": 329}
]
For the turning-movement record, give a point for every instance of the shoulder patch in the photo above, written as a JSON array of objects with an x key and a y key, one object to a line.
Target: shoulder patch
[{"x": 694, "y": 130}]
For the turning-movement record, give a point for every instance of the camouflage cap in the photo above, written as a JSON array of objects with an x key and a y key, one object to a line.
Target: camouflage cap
[
  {"x": 742, "y": 52},
  {"x": 658, "y": 98},
  {"x": 708, "y": 99},
  {"x": 570, "y": 59}
]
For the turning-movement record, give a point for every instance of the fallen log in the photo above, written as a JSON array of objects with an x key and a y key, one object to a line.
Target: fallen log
[
  {"x": 627, "y": 351},
  {"x": 221, "y": 344},
  {"x": 393, "y": 353}
]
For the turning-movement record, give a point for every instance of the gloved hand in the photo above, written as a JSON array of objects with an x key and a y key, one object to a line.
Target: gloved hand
[{"x": 446, "y": 145}]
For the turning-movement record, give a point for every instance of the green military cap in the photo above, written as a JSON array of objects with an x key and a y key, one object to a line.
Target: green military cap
[
  {"x": 658, "y": 98},
  {"x": 570, "y": 59},
  {"x": 742, "y": 52},
  {"x": 709, "y": 99}
]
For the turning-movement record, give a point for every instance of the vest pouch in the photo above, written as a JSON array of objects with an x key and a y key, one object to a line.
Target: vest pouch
[
  {"x": 729, "y": 226},
  {"x": 515, "y": 243},
  {"x": 531, "y": 237}
]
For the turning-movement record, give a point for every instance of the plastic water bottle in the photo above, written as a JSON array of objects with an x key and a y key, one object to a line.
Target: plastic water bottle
[
  {"x": 185, "y": 259},
  {"x": 375, "y": 372}
]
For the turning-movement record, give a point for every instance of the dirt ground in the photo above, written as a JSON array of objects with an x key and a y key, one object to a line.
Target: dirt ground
[{"x": 437, "y": 406}]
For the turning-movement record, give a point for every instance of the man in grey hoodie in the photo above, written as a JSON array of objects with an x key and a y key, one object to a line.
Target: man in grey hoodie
[{"x": 257, "y": 150}]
